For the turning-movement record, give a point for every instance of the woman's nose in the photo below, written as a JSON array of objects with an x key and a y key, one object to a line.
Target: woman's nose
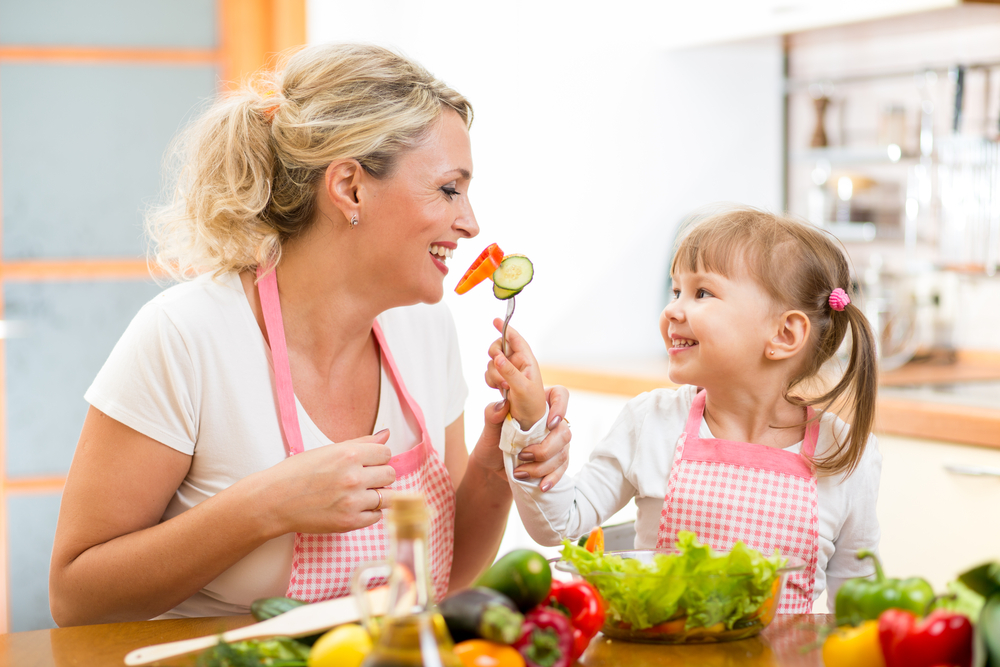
[{"x": 466, "y": 222}]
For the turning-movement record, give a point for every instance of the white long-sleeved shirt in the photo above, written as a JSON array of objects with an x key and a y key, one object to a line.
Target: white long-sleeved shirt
[{"x": 634, "y": 460}]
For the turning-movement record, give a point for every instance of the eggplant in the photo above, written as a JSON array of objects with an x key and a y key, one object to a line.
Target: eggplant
[{"x": 481, "y": 613}]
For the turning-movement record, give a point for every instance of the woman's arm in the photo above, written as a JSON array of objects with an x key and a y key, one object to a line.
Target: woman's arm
[
  {"x": 113, "y": 560},
  {"x": 483, "y": 496}
]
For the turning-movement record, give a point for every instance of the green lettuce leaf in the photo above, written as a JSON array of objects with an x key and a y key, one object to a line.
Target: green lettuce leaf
[{"x": 705, "y": 587}]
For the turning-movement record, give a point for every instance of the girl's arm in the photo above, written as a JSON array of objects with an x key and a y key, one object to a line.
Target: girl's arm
[{"x": 114, "y": 560}]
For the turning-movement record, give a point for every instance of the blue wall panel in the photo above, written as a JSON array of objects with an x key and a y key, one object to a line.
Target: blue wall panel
[
  {"x": 68, "y": 331},
  {"x": 83, "y": 148},
  {"x": 31, "y": 527},
  {"x": 116, "y": 23}
]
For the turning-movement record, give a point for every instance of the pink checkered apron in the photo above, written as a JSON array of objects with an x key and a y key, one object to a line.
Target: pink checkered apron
[
  {"x": 323, "y": 564},
  {"x": 727, "y": 491}
]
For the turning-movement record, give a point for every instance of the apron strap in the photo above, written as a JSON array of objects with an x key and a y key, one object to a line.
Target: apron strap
[{"x": 273, "y": 324}]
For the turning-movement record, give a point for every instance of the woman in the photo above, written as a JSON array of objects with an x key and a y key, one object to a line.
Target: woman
[{"x": 312, "y": 216}]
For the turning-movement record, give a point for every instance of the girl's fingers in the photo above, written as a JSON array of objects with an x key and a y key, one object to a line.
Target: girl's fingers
[{"x": 516, "y": 343}]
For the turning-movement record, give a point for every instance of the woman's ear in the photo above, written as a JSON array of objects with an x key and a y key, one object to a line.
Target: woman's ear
[
  {"x": 341, "y": 185},
  {"x": 792, "y": 335}
]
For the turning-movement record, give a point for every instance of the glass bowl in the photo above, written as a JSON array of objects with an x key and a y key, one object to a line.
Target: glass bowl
[{"x": 709, "y": 591}]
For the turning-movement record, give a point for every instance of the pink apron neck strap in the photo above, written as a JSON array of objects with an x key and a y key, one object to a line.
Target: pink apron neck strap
[
  {"x": 394, "y": 370},
  {"x": 267, "y": 286},
  {"x": 697, "y": 411}
]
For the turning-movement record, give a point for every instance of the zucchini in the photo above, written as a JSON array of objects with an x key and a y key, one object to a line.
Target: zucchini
[
  {"x": 481, "y": 613},
  {"x": 522, "y": 575},
  {"x": 502, "y": 293},
  {"x": 266, "y": 608},
  {"x": 514, "y": 272}
]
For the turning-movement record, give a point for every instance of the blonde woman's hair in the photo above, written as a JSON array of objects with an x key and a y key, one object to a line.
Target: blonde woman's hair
[
  {"x": 798, "y": 265},
  {"x": 247, "y": 170}
]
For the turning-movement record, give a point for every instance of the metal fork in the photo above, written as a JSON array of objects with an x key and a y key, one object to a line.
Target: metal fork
[{"x": 503, "y": 335}]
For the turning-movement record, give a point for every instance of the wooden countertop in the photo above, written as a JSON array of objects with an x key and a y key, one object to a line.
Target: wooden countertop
[
  {"x": 935, "y": 420},
  {"x": 780, "y": 645}
]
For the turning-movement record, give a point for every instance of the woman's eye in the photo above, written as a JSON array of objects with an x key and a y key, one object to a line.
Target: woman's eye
[{"x": 450, "y": 191}]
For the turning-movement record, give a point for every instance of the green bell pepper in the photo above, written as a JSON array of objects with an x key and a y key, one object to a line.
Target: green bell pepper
[{"x": 864, "y": 599}]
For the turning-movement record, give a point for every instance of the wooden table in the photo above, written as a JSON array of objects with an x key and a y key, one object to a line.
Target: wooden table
[{"x": 99, "y": 645}]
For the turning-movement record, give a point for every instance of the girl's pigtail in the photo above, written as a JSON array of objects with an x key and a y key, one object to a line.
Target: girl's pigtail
[{"x": 859, "y": 386}]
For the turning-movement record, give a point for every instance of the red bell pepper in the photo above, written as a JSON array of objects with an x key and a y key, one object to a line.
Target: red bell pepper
[
  {"x": 583, "y": 605},
  {"x": 546, "y": 639},
  {"x": 942, "y": 638}
]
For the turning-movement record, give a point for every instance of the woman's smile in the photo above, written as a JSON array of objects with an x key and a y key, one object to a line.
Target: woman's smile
[{"x": 440, "y": 252}]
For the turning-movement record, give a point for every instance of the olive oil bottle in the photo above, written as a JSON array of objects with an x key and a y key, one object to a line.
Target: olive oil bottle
[{"x": 412, "y": 633}]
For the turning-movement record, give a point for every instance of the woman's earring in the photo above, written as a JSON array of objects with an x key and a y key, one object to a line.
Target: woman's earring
[
  {"x": 772, "y": 352},
  {"x": 354, "y": 221}
]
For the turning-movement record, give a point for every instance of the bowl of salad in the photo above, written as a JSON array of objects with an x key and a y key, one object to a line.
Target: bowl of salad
[{"x": 686, "y": 595}]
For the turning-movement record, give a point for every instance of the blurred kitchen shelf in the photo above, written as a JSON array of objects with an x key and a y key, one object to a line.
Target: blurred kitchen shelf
[
  {"x": 969, "y": 415},
  {"x": 852, "y": 155}
]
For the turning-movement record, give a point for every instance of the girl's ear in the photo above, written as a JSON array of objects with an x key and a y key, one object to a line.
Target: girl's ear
[
  {"x": 342, "y": 183},
  {"x": 792, "y": 335}
]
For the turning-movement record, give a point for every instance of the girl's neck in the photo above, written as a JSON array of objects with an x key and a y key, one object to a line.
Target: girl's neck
[{"x": 763, "y": 419}]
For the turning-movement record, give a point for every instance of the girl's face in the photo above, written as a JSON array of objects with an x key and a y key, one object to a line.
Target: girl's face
[
  {"x": 716, "y": 329},
  {"x": 421, "y": 212}
]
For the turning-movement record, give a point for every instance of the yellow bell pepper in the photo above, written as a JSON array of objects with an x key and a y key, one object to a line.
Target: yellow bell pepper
[{"x": 854, "y": 647}]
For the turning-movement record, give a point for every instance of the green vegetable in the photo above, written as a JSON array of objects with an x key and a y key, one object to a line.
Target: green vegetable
[
  {"x": 514, "y": 272},
  {"x": 985, "y": 580},
  {"x": 274, "y": 652},
  {"x": 266, "y": 608},
  {"x": 522, "y": 575},
  {"x": 962, "y": 600},
  {"x": 504, "y": 294},
  {"x": 481, "y": 613},
  {"x": 696, "y": 583},
  {"x": 863, "y": 599}
]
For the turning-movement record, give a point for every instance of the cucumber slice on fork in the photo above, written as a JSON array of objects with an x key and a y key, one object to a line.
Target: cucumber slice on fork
[{"x": 514, "y": 272}]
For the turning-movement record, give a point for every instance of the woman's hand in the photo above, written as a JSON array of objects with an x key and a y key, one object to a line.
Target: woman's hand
[
  {"x": 331, "y": 489},
  {"x": 548, "y": 459}
]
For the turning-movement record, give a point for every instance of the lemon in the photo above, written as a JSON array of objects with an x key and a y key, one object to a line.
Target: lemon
[{"x": 343, "y": 646}]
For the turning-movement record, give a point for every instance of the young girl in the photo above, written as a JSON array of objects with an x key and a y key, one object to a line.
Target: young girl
[{"x": 737, "y": 451}]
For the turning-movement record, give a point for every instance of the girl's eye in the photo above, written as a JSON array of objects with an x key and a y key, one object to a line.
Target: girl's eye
[
  {"x": 677, "y": 294},
  {"x": 701, "y": 293},
  {"x": 450, "y": 191}
]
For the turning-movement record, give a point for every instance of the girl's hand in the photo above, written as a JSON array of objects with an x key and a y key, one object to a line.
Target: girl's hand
[
  {"x": 519, "y": 374},
  {"x": 331, "y": 489},
  {"x": 548, "y": 459}
]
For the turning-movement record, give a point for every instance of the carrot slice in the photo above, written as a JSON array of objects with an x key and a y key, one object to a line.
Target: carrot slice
[
  {"x": 595, "y": 542},
  {"x": 481, "y": 269}
]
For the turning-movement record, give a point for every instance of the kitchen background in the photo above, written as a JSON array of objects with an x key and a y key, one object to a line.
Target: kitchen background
[{"x": 598, "y": 130}]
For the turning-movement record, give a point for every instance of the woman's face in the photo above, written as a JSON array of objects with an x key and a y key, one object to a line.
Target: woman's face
[{"x": 418, "y": 214}]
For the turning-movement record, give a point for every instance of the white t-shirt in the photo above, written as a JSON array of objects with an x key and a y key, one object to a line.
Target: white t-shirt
[
  {"x": 193, "y": 372},
  {"x": 635, "y": 459}
]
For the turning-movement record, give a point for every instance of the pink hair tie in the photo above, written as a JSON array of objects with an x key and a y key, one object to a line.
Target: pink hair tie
[{"x": 839, "y": 299}]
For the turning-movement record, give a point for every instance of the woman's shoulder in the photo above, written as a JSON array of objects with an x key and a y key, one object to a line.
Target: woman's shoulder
[{"x": 422, "y": 325}]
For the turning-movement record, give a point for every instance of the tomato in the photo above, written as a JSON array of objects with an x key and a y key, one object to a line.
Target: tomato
[{"x": 482, "y": 653}]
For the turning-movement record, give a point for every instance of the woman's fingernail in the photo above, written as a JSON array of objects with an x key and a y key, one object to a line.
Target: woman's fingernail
[
  {"x": 546, "y": 486},
  {"x": 554, "y": 422},
  {"x": 385, "y": 430},
  {"x": 520, "y": 474},
  {"x": 526, "y": 456},
  {"x": 498, "y": 406}
]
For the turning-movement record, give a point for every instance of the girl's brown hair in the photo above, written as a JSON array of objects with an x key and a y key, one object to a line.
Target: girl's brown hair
[
  {"x": 247, "y": 170},
  {"x": 798, "y": 265}
]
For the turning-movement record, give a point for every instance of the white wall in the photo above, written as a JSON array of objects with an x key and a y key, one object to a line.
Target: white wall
[{"x": 590, "y": 141}]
